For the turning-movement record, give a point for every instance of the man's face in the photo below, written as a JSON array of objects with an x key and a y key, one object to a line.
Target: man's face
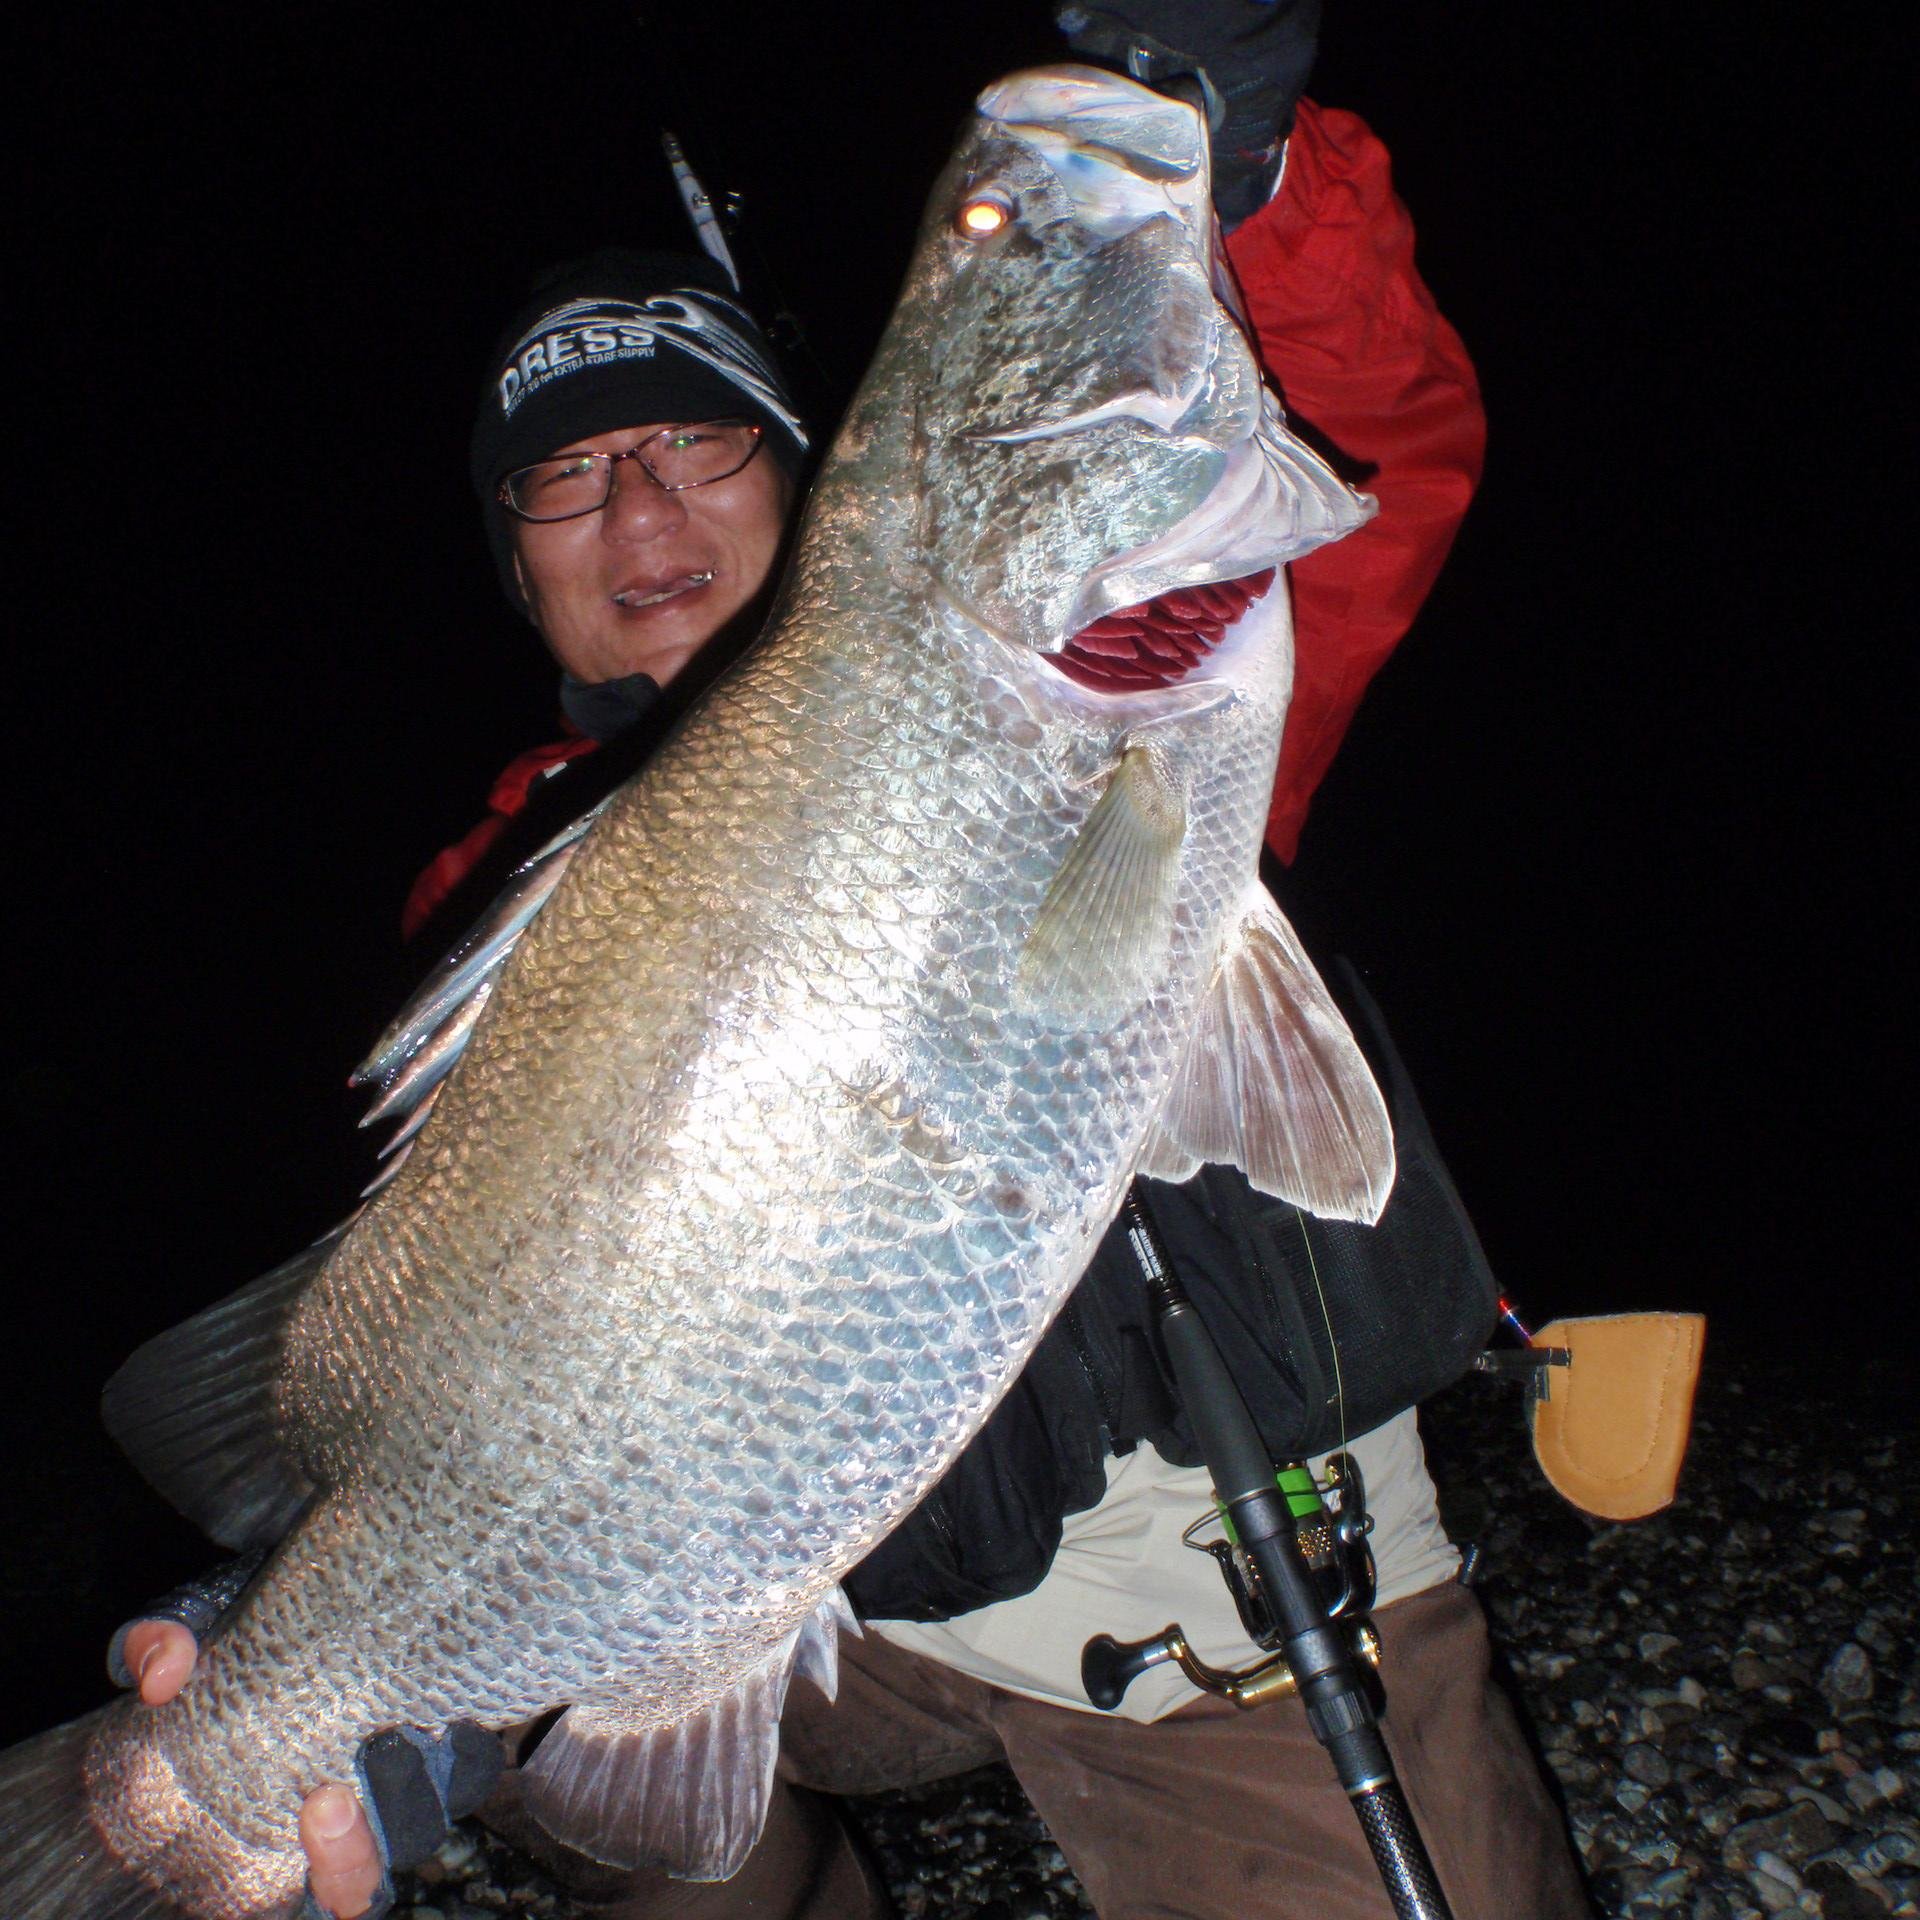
[{"x": 642, "y": 585}]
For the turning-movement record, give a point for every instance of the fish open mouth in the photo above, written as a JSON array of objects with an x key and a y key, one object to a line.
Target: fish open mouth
[{"x": 1161, "y": 640}]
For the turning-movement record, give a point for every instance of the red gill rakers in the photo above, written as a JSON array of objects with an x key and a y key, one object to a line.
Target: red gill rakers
[{"x": 1160, "y": 641}]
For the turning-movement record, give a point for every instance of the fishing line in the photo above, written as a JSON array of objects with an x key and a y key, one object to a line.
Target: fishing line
[{"x": 1326, "y": 1316}]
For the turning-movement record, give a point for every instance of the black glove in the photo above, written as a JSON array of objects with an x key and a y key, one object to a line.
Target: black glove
[
  {"x": 200, "y": 1606},
  {"x": 414, "y": 1785},
  {"x": 1250, "y": 57}
]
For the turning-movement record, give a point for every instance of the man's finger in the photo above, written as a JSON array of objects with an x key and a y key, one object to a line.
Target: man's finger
[
  {"x": 160, "y": 1656},
  {"x": 343, "y": 1863}
]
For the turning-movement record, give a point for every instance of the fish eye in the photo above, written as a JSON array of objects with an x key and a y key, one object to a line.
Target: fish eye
[{"x": 982, "y": 215}]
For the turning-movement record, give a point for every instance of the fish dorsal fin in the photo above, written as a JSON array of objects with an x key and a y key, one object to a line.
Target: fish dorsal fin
[
  {"x": 1275, "y": 1084},
  {"x": 690, "y": 1798},
  {"x": 195, "y": 1409},
  {"x": 1102, "y": 930},
  {"x": 426, "y": 1038}
]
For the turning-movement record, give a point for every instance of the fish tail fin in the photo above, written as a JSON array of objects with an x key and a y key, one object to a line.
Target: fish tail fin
[{"x": 54, "y": 1864}]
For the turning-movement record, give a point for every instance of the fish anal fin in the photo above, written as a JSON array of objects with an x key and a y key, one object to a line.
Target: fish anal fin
[
  {"x": 1275, "y": 1084},
  {"x": 692, "y": 1797},
  {"x": 1101, "y": 934},
  {"x": 194, "y": 1409}
]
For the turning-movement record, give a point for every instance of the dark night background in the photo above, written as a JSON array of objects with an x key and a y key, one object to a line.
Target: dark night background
[{"x": 1611, "y": 833}]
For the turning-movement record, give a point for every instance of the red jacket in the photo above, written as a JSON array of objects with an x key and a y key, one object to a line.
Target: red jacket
[{"x": 1362, "y": 358}]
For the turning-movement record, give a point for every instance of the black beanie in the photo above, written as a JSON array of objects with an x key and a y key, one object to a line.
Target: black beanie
[{"x": 621, "y": 339}]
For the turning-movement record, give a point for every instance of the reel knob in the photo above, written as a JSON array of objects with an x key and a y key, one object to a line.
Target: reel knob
[{"x": 1108, "y": 1667}]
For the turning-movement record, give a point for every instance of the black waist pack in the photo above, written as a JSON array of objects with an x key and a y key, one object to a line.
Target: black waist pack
[{"x": 1309, "y": 1313}]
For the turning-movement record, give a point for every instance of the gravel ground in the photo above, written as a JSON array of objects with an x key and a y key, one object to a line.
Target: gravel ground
[{"x": 1726, "y": 1694}]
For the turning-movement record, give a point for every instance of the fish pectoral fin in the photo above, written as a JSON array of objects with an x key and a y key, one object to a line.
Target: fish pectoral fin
[
  {"x": 1100, "y": 936},
  {"x": 195, "y": 1409},
  {"x": 1275, "y": 1084},
  {"x": 691, "y": 1797}
]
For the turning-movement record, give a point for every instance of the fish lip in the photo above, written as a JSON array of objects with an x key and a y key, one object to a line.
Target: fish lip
[
  {"x": 1073, "y": 103},
  {"x": 1071, "y": 114}
]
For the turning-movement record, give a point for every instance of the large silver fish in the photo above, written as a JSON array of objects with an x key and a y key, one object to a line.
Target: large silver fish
[{"x": 797, "y": 1110}]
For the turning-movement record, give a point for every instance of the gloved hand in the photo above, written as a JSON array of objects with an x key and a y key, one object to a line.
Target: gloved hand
[
  {"x": 1250, "y": 57},
  {"x": 413, "y": 1784}
]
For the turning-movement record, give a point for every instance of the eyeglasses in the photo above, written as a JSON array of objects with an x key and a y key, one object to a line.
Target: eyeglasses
[{"x": 675, "y": 458}]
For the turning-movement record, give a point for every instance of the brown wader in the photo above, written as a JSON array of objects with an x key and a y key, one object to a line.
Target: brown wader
[{"x": 1210, "y": 1814}]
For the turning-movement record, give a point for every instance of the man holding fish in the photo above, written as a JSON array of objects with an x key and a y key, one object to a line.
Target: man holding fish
[{"x": 638, "y": 461}]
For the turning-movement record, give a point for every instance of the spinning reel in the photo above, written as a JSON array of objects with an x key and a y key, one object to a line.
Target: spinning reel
[{"x": 1331, "y": 1531}]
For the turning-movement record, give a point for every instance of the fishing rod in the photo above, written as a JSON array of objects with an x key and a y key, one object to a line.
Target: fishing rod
[
  {"x": 718, "y": 222},
  {"x": 1312, "y": 1613},
  {"x": 699, "y": 206}
]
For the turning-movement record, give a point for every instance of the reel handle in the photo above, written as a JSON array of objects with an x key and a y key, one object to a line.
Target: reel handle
[{"x": 1108, "y": 1667}]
